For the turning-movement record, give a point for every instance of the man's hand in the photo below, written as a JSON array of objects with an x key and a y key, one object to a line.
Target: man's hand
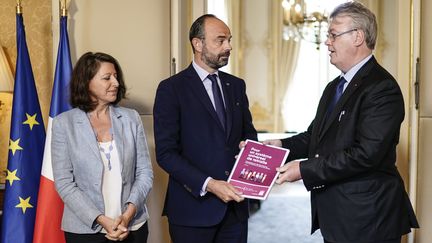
[
  {"x": 242, "y": 144},
  {"x": 273, "y": 142},
  {"x": 289, "y": 172},
  {"x": 225, "y": 191}
]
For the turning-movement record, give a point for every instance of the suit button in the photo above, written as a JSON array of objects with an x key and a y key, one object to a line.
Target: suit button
[
  {"x": 316, "y": 155},
  {"x": 227, "y": 173}
]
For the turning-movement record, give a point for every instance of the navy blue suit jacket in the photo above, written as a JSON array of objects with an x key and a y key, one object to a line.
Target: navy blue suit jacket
[{"x": 192, "y": 145}]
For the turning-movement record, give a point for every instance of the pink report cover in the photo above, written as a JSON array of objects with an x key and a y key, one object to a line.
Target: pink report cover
[{"x": 254, "y": 171}]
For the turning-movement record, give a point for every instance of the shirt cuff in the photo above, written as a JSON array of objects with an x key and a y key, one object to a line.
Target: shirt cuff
[{"x": 203, "y": 189}]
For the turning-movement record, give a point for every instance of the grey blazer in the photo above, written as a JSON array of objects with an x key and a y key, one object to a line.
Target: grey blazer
[{"x": 78, "y": 167}]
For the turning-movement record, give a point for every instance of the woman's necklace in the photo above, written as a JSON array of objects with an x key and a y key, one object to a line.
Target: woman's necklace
[{"x": 107, "y": 152}]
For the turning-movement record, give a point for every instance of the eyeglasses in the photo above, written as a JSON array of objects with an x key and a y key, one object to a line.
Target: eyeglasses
[{"x": 332, "y": 37}]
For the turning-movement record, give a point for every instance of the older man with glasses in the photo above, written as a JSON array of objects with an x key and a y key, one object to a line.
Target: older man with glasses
[{"x": 357, "y": 194}]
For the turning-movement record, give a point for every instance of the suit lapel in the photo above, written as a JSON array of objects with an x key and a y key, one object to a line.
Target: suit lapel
[
  {"x": 229, "y": 99},
  {"x": 86, "y": 132},
  {"x": 89, "y": 137},
  {"x": 117, "y": 126},
  {"x": 350, "y": 89},
  {"x": 198, "y": 89},
  {"x": 321, "y": 116}
]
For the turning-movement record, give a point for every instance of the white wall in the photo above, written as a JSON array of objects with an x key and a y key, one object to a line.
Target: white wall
[
  {"x": 424, "y": 191},
  {"x": 136, "y": 32},
  {"x": 257, "y": 60},
  {"x": 256, "y": 34},
  {"x": 394, "y": 50}
]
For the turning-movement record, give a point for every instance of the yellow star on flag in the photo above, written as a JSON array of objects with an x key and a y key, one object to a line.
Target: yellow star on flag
[
  {"x": 24, "y": 204},
  {"x": 11, "y": 176},
  {"x": 31, "y": 120},
  {"x": 14, "y": 146}
]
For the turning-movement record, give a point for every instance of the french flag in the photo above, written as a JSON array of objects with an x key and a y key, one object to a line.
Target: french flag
[{"x": 50, "y": 206}]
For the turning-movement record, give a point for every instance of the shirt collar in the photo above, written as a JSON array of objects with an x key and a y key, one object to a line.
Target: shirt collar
[
  {"x": 350, "y": 74},
  {"x": 202, "y": 73}
]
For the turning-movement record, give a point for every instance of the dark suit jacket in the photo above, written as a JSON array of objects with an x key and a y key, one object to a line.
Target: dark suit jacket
[
  {"x": 357, "y": 194},
  {"x": 191, "y": 144}
]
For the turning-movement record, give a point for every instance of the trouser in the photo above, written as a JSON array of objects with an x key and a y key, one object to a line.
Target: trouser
[{"x": 137, "y": 236}]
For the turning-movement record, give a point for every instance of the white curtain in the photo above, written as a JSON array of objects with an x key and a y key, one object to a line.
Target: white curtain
[{"x": 286, "y": 54}]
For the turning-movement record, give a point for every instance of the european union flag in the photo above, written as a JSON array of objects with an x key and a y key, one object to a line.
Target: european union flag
[{"x": 26, "y": 147}]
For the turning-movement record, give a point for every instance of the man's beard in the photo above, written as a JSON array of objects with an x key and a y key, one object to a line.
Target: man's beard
[{"x": 215, "y": 62}]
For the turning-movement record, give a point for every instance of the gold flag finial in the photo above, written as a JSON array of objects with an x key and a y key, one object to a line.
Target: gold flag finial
[
  {"x": 64, "y": 5},
  {"x": 18, "y": 7}
]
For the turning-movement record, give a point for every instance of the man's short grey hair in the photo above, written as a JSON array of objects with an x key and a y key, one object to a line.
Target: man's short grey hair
[{"x": 362, "y": 18}]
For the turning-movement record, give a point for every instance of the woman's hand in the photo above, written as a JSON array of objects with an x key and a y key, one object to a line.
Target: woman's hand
[
  {"x": 121, "y": 224},
  {"x": 120, "y": 231},
  {"x": 110, "y": 226}
]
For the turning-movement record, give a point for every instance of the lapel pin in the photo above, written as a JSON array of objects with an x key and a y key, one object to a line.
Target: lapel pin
[{"x": 341, "y": 114}]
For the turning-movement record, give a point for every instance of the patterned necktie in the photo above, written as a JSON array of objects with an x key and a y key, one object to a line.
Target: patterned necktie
[
  {"x": 338, "y": 94},
  {"x": 217, "y": 97}
]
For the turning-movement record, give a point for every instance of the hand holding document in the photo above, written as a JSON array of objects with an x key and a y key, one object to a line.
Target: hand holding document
[
  {"x": 224, "y": 191},
  {"x": 289, "y": 172},
  {"x": 254, "y": 172}
]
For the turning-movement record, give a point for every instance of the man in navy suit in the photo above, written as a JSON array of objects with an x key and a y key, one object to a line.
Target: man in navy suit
[
  {"x": 199, "y": 121},
  {"x": 357, "y": 194}
]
